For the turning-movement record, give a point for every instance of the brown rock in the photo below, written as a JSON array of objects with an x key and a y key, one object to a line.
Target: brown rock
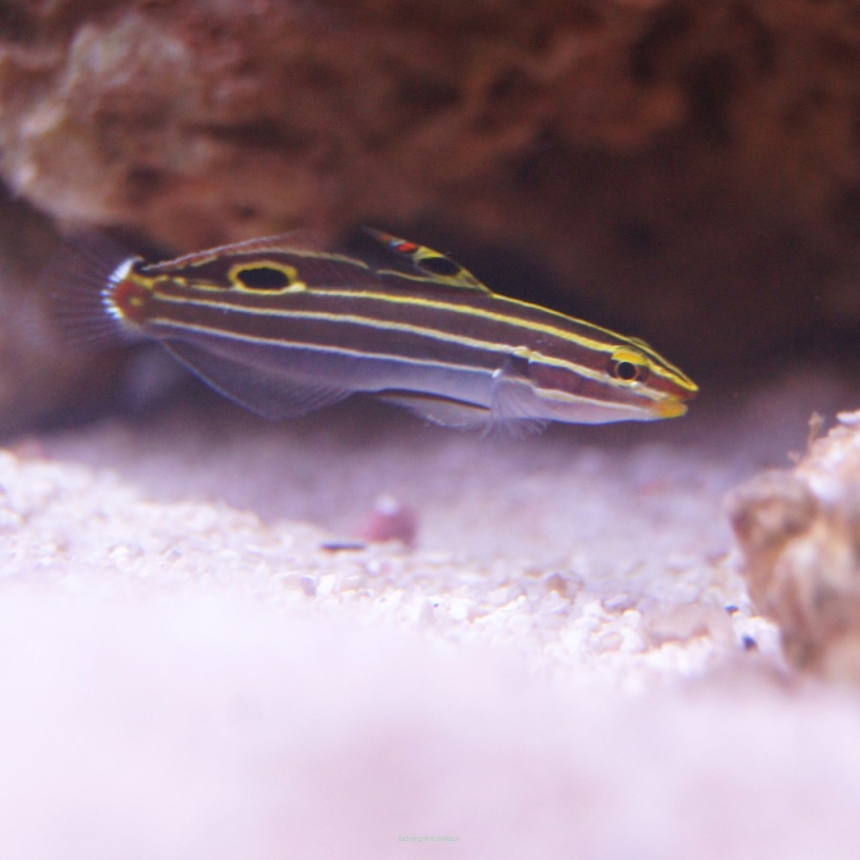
[
  {"x": 800, "y": 534},
  {"x": 685, "y": 169}
]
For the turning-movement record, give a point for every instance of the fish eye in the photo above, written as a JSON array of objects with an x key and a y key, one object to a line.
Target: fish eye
[
  {"x": 439, "y": 266},
  {"x": 262, "y": 278},
  {"x": 628, "y": 366},
  {"x": 626, "y": 370}
]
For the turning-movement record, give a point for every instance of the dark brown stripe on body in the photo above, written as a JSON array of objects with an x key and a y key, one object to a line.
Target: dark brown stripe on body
[{"x": 459, "y": 316}]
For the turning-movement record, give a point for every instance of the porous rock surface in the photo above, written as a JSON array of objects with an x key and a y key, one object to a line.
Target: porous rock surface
[{"x": 800, "y": 533}]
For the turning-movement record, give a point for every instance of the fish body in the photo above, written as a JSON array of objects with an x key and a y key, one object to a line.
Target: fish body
[{"x": 285, "y": 327}]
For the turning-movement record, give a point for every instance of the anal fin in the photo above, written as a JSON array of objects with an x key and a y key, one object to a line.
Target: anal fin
[{"x": 269, "y": 393}]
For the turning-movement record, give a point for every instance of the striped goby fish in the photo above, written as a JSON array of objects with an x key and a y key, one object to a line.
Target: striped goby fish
[{"x": 283, "y": 327}]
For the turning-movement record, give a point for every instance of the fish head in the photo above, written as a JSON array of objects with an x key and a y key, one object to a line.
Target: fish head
[
  {"x": 649, "y": 381},
  {"x": 624, "y": 380}
]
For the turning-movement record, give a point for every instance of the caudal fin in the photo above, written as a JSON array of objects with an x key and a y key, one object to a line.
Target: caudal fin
[{"x": 78, "y": 278}]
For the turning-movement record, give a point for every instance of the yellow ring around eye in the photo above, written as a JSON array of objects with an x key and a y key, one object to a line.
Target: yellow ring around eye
[{"x": 628, "y": 366}]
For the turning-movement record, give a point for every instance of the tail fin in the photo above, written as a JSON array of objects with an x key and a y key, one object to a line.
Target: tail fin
[{"x": 79, "y": 277}]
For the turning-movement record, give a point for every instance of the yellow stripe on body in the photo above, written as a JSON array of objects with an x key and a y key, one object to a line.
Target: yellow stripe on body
[
  {"x": 355, "y": 353},
  {"x": 437, "y": 334},
  {"x": 163, "y": 322},
  {"x": 675, "y": 373},
  {"x": 660, "y": 366}
]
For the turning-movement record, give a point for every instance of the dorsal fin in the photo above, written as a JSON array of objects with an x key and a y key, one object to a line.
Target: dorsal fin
[
  {"x": 302, "y": 251},
  {"x": 430, "y": 266},
  {"x": 296, "y": 241}
]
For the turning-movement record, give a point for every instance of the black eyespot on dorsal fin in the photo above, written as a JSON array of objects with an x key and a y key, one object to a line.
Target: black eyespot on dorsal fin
[{"x": 430, "y": 266}]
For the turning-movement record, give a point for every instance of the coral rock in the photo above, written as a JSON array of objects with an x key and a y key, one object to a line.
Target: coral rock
[
  {"x": 800, "y": 534},
  {"x": 685, "y": 166}
]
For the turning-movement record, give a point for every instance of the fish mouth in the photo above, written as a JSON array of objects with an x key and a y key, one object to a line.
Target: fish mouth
[{"x": 670, "y": 408}]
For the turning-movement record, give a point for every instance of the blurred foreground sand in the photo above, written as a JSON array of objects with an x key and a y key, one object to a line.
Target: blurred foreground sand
[{"x": 567, "y": 663}]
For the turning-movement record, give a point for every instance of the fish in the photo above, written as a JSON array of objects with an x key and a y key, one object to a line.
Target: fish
[{"x": 283, "y": 326}]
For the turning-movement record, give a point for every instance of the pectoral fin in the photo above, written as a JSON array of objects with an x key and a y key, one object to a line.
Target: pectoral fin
[{"x": 514, "y": 406}]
